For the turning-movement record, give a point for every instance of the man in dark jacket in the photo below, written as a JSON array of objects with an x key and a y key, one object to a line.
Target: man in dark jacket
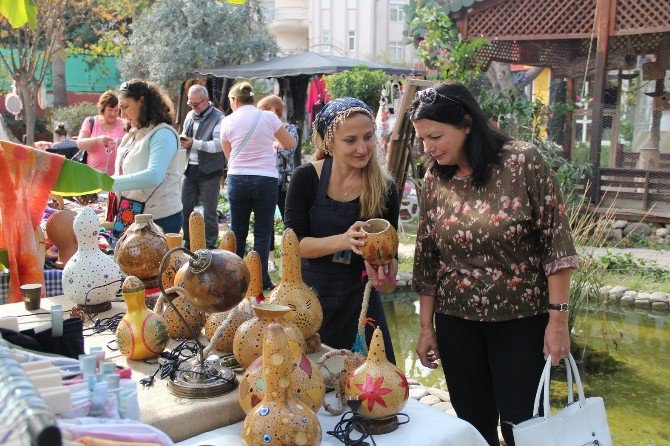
[{"x": 205, "y": 162}]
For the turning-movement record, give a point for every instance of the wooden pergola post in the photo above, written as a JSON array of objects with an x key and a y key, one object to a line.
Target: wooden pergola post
[{"x": 603, "y": 25}]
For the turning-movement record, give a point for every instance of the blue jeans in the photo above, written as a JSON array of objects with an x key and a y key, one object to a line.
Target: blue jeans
[
  {"x": 247, "y": 193},
  {"x": 171, "y": 223}
]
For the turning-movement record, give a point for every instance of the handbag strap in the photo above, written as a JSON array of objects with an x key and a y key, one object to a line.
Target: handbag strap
[
  {"x": 246, "y": 138},
  {"x": 545, "y": 379}
]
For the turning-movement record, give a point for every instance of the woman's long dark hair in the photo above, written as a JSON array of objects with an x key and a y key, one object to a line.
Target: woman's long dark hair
[
  {"x": 453, "y": 102},
  {"x": 156, "y": 107}
]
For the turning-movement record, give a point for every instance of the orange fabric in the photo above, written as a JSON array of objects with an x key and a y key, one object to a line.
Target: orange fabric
[{"x": 26, "y": 178}]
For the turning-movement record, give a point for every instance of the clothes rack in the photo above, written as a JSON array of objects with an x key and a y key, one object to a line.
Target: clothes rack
[{"x": 24, "y": 413}]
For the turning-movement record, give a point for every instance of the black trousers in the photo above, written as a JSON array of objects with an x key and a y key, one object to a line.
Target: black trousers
[{"x": 492, "y": 370}]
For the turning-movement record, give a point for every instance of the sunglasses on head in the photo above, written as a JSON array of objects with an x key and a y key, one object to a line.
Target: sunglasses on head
[
  {"x": 126, "y": 86},
  {"x": 429, "y": 95}
]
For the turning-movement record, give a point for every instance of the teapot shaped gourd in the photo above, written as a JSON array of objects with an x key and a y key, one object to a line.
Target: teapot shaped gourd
[
  {"x": 215, "y": 280},
  {"x": 306, "y": 312}
]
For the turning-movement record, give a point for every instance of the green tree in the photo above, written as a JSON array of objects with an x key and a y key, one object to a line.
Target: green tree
[
  {"x": 171, "y": 39},
  {"x": 359, "y": 82}
]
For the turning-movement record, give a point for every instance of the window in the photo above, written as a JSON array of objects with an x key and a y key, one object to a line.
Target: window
[
  {"x": 396, "y": 13},
  {"x": 351, "y": 4},
  {"x": 325, "y": 41},
  {"x": 352, "y": 41},
  {"x": 396, "y": 50},
  {"x": 325, "y": 4}
]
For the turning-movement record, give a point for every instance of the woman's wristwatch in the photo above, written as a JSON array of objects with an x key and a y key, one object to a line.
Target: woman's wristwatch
[{"x": 560, "y": 307}]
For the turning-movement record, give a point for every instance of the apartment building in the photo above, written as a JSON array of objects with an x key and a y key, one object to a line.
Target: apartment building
[{"x": 360, "y": 29}]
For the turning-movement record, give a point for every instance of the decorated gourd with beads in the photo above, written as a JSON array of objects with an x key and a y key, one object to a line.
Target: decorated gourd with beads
[
  {"x": 90, "y": 277},
  {"x": 381, "y": 242},
  {"x": 308, "y": 383},
  {"x": 193, "y": 315},
  {"x": 280, "y": 418},
  {"x": 141, "y": 334},
  {"x": 306, "y": 312},
  {"x": 220, "y": 328},
  {"x": 248, "y": 340},
  {"x": 380, "y": 386}
]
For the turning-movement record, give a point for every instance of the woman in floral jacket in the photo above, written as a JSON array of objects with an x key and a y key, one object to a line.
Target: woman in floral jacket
[{"x": 493, "y": 260}]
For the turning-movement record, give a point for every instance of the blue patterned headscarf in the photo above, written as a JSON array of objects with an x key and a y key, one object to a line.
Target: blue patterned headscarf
[{"x": 332, "y": 116}]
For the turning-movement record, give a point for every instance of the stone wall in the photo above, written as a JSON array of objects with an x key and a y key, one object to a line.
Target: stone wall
[{"x": 618, "y": 229}]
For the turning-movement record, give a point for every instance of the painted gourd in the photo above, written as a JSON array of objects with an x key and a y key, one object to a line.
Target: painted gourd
[
  {"x": 381, "y": 242},
  {"x": 177, "y": 259},
  {"x": 248, "y": 341},
  {"x": 307, "y": 379},
  {"x": 140, "y": 250},
  {"x": 141, "y": 334},
  {"x": 380, "y": 386},
  {"x": 279, "y": 419},
  {"x": 306, "y": 312},
  {"x": 223, "y": 340},
  {"x": 90, "y": 277}
]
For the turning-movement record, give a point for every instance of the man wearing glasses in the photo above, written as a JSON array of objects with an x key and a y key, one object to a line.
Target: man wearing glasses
[{"x": 206, "y": 162}]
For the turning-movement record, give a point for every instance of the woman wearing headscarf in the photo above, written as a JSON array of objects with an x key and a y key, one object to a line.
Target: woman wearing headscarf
[{"x": 327, "y": 204}]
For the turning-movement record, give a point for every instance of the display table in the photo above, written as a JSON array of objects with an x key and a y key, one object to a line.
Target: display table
[
  {"x": 218, "y": 421},
  {"x": 427, "y": 426},
  {"x": 180, "y": 418}
]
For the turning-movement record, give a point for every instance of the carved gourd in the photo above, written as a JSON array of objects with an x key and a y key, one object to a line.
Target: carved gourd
[
  {"x": 220, "y": 328},
  {"x": 177, "y": 259},
  {"x": 279, "y": 419},
  {"x": 306, "y": 312},
  {"x": 307, "y": 379},
  {"x": 381, "y": 242},
  {"x": 248, "y": 341},
  {"x": 140, "y": 250},
  {"x": 228, "y": 241}
]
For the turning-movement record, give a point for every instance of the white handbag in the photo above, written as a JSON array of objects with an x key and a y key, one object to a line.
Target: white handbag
[{"x": 580, "y": 423}]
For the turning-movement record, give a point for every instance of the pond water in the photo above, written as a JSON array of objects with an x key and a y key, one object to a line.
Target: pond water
[{"x": 632, "y": 374}]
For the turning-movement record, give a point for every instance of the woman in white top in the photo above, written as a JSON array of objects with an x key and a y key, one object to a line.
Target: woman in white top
[
  {"x": 247, "y": 136},
  {"x": 146, "y": 161}
]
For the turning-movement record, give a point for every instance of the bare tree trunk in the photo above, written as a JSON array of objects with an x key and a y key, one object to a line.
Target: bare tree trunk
[
  {"x": 58, "y": 82},
  {"x": 28, "y": 97}
]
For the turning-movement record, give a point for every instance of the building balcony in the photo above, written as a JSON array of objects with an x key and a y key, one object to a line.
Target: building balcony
[{"x": 289, "y": 18}]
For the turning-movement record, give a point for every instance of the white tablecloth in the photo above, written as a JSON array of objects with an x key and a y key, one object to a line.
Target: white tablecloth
[{"x": 427, "y": 426}]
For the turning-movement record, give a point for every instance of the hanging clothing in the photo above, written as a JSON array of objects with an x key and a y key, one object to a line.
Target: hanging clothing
[
  {"x": 27, "y": 176},
  {"x": 317, "y": 94}
]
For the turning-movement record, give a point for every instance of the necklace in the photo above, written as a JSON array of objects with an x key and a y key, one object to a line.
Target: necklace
[{"x": 348, "y": 191}]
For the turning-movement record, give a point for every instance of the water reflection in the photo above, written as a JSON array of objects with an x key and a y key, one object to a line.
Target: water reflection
[{"x": 632, "y": 372}]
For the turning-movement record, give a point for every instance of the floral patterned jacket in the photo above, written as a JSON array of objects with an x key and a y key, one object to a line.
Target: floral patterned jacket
[{"x": 485, "y": 254}]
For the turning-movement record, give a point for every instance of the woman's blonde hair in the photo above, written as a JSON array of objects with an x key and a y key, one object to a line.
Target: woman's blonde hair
[
  {"x": 243, "y": 91},
  {"x": 272, "y": 101},
  {"x": 376, "y": 180}
]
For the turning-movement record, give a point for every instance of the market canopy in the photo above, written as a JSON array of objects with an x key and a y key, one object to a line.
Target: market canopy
[{"x": 307, "y": 63}]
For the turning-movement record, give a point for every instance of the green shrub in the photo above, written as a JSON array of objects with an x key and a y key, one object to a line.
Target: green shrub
[
  {"x": 72, "y": 116},
  {"x": 360, "y": 82}
]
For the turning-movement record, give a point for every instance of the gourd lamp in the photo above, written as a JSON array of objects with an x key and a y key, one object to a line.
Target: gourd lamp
[{"x": 214, "y": 280}]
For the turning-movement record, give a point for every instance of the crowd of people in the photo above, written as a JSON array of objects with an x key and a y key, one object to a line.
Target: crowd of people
[{"x": 494, "y": 251}]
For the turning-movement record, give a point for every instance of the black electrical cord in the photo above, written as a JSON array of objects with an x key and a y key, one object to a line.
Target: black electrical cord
[{"x": 352, "y": 421}]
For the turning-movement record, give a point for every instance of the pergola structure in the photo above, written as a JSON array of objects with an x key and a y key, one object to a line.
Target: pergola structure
[{"x": 578, "y": 38}]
